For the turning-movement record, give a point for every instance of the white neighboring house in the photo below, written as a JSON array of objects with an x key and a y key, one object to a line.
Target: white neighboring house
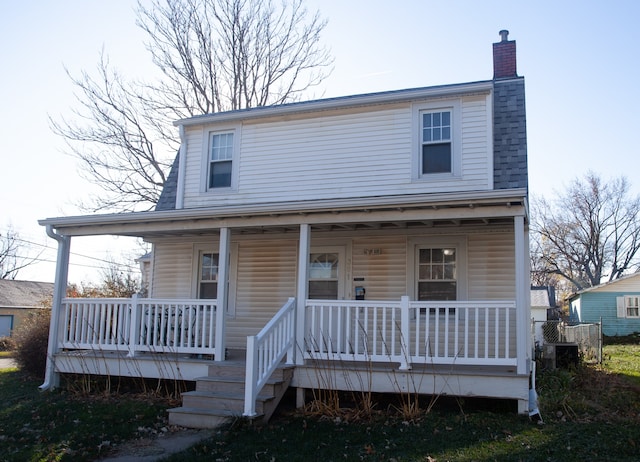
[
  {"x": 541, "y": 301},
  {"x": 387, "y": 229}
]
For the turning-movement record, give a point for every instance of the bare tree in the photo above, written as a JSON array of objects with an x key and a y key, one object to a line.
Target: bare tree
[
  {"x": 13, "y": 254},
  {"x": 589, "y": 234},
  {"x": 212, "y": 55}
]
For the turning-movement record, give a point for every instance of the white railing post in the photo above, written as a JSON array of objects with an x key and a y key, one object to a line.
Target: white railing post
[
  {"x": 251, "y": 376},
  {"x": 133, "y": 326},
  {"x": 405, "y": 331},
  {"x": 290, "y": 330},
  {"x": 302, "y": 289}
]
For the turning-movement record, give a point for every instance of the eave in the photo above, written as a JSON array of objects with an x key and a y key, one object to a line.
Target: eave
[
  {"x": 344, "y": 102},
  {"x": 428, "y": 209}
]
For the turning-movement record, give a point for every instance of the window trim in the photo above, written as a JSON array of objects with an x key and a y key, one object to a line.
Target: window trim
[
  {"x": 459, "y": 243},
  {"x": 454, "y": 107},
  {"x": 623, "y": 307},
  {"x": 206, "y": 158}
]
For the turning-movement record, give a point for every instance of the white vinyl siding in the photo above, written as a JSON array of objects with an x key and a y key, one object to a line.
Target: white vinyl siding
[
  {"x": 172, "y": 270},
  {"x": 382, "y": 262},
  {"x": 266, "y": 279},
  {"x": 339, "y": 154},
  {"x": 491, "y": 266}
]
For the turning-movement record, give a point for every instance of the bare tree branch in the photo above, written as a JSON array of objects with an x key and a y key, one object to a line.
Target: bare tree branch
[
  {"x": 589, "y": 234},
  {"x": 212, "y": 56},
  {"x": 14, "y": 254}
]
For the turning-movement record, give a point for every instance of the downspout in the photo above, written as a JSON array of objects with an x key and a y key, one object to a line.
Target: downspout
[
  {"x": 51, "y": 379},
  {"x": 182, "y": 168}
]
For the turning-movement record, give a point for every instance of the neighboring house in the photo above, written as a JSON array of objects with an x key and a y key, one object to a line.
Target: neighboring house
[
  {"x": 379, "y": 239},
  {"x": 615, "y": 303},
  {"x": 543, "y": 301},
  {"x": 19, "y": 300}
]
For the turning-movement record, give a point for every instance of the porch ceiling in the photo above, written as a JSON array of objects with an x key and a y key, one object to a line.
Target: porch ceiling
[{"x": 494, "y": 208}]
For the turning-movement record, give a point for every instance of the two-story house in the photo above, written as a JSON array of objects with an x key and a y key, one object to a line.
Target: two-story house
[{"x": 383, "y": 232}]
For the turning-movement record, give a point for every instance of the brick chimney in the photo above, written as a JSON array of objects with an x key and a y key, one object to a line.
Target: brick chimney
[{"x": 504, "y": 57}]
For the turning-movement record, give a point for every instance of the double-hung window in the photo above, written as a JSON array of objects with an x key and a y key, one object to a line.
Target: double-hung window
[
  {"x": 632, "y": 307},
  {"x": 435, "y": 136},
  {"x": 437, "y": 275},
  {"x": 220, "y": 160}
]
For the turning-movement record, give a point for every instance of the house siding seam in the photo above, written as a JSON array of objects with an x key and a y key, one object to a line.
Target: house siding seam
[{"x": 509, "y": 135}]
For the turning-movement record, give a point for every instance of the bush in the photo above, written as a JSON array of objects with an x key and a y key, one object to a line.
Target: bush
[
  {"x": 31, "y": 340},
  {"x": 6, "y": 344}
]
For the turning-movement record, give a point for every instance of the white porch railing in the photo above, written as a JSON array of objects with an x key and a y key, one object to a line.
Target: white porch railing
[
  {"x": 132, "y": 325},
  {"x": 266, "y": 350},
  {"x": 468, "y": 332}
]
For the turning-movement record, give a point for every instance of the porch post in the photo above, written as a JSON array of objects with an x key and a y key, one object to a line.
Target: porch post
[
  {"x": 522, "y": 294},
  {"x": 405, "y": 343},
  {"x": 51, "y": 378},
  {"x": 223, "y": 292},
  {"x": 302, "y": 289}
]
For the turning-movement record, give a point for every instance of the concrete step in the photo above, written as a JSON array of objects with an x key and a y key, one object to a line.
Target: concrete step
[{"x": 199, "y": 418}]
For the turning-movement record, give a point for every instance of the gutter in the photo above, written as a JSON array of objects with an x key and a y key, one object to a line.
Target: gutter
[
  {"x": 59, "y": 291},
  {"x": 505, "y": 196},
  {"x": 182, "y": 168}
]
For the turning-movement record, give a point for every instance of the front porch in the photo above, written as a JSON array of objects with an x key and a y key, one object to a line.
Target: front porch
[{"x": 455, "y": 348}]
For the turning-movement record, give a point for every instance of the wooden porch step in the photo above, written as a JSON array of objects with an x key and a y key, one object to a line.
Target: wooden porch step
[
  {"x": 235, "y": 383},
  {"x": 221, "y": 394},
  {"x": 226, "y": 401}
]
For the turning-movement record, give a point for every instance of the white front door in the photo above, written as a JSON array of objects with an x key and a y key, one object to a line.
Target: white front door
[
  {"x": 327, "y": 273},
  {"x": 326, "y": 278}
]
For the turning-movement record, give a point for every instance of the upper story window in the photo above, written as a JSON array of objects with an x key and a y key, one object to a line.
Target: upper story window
[
  {"x": 220, "y": 160},
  {"x": 436, "y": 153}
]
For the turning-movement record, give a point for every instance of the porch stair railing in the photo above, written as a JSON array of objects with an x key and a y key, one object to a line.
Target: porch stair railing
[{"x": 266, "y": 350}]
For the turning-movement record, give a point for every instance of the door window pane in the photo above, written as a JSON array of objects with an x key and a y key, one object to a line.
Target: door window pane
[
  {"x": 437, "y": 274},
  {"x": 208, "y": 275},
  {"x": 323, "y": 276}
]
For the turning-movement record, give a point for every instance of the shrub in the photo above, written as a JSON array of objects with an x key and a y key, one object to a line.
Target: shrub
[
  {"x": 6, "y": 344},
  {"x": 31, "y": 340}
]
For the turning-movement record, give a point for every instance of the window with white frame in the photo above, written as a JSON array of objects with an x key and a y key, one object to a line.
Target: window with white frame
[
  {"x": 437, "y": 273},
  {"x": 631, "y": 306},
  {"x": 435, "y": 140},
  {"x": 220, "y": 160},
  {"x": 208, "y": 275}
]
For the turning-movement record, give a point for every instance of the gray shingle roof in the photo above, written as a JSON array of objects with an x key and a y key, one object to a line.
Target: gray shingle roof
[
  {"x": 24, "y": 294},
  {"x": 509, "y": 135},
  {"x": 167, "y": 199}
]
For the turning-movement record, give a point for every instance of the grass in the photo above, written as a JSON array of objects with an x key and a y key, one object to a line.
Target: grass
[
  {"x": 64, "y": 426},
  {"x": 590, "y": 413}
]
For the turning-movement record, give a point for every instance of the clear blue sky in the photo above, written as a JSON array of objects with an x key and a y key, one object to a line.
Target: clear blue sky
[{"x": 579, "y": 58}]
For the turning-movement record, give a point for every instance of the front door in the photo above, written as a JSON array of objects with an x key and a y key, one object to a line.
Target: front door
[
  {"x": 327, "y": 273},
  {"x": 327, "y": 282}
]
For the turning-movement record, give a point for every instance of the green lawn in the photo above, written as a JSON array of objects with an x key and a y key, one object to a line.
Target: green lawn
[
  {"x": 592, "y": 413},
  {"x": 65, "y": 426}
]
